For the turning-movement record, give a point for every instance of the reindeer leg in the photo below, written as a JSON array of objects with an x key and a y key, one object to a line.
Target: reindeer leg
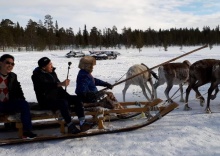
[
  {"x": 155, "y": 85},
  {"x": 158, "y": 83},
  {"x": 188, "y": 89},
  {"x": 195, "y": 88},
  {"x": 144, "y": 91},
  {"x": 153, "y": 90},
  {"x": 214, "y": 85},
  {"x": 181, "y": 93},
  {"x": 127, "y": 84},
  {"x": 210, "y": 90},
  {"x": 167, "y": 90},
  {"x": 149, "y": 91},
  {"x": 212, "y": 97}
]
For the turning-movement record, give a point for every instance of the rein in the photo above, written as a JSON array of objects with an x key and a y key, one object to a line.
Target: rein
[{"x": 171, "y": 60}]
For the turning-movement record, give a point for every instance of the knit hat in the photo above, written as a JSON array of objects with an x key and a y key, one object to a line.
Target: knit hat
[
  {"x": 43, "y": 62},
  {"x": 87, "y": 60},
  {"x": 87, "y": 63}
]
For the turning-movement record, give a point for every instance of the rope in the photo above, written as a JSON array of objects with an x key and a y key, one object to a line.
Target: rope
[
  {"x": 171, "y": 60},
  {"x": 121, "y": 77},
  {"x": 190, "y": 99},
  {"x": 175, "y": 92},
  {"x": 171, "y": 98}
]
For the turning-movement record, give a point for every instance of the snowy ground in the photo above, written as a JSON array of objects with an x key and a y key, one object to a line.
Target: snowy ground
[{"x": 180, "y": 132}]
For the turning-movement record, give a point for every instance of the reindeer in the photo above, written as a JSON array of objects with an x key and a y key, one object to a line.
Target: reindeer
[
  {"x": 200, "y": 73},
  {"x": 173, "y": 74},
  {"x": 215, "y": 80},
  {"x": 140, "y": 80}
]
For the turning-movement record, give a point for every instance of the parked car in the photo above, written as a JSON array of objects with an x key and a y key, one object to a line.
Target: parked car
[
  {"x": 75, "y": 54},
  {"x": 99, "y": 56},
  {"x": 109, "y": 54}
]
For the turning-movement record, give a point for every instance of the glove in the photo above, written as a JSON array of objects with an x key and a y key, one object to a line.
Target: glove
[{"x": 109, "y": 86}]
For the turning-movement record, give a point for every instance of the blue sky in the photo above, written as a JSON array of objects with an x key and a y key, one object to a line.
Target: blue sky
[
  {"x": 136, "y": 14},
  {"x": 201, "y": 7}
]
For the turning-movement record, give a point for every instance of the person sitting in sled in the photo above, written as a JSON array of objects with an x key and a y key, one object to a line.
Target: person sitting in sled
[
  {"x": 86, "y": 86},
  {"x": 51, "y": 95},
  {"x": 12, "y": 98}
]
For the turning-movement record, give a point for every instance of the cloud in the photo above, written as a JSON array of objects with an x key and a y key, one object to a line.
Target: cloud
[{"x": 139, "y": 14}]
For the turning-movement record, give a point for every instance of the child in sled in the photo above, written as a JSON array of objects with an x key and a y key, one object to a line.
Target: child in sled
[{"x": 86, "y": 87}]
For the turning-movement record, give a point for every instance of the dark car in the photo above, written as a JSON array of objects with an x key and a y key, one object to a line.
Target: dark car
[
  {"x": 110, "y": 54},
  {"x": 99, "y": 56},
  {"x": 104, "y": 55},
  {"x": 75, "y": 54}
]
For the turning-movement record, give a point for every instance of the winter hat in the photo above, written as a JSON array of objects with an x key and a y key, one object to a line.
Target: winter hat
[
  {"x": 87, "y": 63},
  {"x": 43, "y": 62},
  {"x": 87, "y": 60}
]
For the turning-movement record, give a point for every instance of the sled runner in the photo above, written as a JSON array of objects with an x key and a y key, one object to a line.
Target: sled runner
[{"x": 103, "y": 127}]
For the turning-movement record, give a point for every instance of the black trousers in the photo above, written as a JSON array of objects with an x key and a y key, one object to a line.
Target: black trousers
[{"x": 64, "y": 105}]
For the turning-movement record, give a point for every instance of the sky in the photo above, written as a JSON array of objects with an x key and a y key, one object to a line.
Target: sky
[
  {"x": 179, "y": 133},
  {"x": 136, "y": 14}
]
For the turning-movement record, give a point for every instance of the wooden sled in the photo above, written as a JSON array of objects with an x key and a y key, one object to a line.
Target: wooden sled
[
  {"x": 162, "y": 111},
  {"x": 42, "y": 118}
]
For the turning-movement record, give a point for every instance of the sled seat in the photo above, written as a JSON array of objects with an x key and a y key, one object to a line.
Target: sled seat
[
  {"x": 97, "y": 116},
  {"x": 43, "y": 116},
  {"x": 38, "y": 115}
]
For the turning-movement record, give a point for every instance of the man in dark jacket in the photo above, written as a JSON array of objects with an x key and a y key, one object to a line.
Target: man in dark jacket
[
  {"x": 12, "y": 99},
  {"x": 51, "y": 95}
]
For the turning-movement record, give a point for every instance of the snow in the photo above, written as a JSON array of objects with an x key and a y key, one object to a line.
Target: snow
[{"x": 193, "y": 133}]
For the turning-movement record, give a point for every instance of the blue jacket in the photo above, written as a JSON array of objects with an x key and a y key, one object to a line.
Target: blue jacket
[{"x": 85, "y": 83}]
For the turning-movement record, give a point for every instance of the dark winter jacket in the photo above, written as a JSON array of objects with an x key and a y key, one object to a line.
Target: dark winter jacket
[
  {"x": 86, "y": 83},
  {"x": 45, "y": 86},
  {"x": 14, "y": 87}
]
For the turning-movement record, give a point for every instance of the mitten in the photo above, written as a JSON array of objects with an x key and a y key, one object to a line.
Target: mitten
[{"x": 109, "y": 86}]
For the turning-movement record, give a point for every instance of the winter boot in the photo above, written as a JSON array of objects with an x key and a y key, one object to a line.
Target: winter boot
[
  {"x": 86, "y": 126},
  {"x": 29, "y": 135},
  {"x": 72, "y": 129}
]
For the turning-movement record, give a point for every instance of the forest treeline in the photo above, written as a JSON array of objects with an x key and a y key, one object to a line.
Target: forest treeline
[{"x": 46, "y": 35}]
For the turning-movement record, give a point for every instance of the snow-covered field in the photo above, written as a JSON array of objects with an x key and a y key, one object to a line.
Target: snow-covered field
[{"x": 181, "y": 133}]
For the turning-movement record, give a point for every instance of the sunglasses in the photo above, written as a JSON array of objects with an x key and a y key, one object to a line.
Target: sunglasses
[{"x": 9, "y": 63}]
